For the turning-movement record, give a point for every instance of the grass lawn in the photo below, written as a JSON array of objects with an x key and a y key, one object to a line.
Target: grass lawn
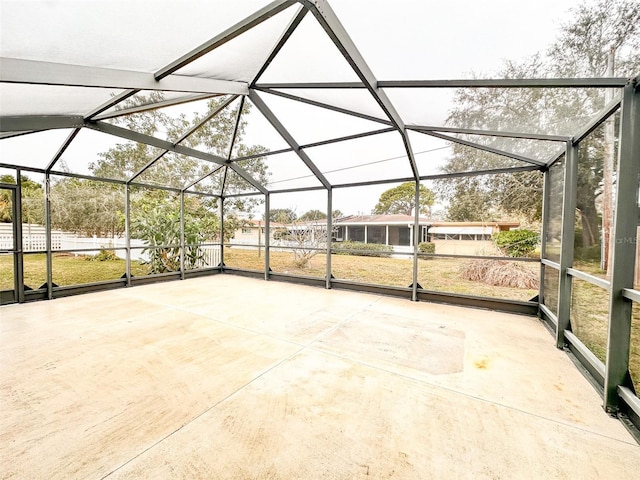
[
  {"x": 439, "y": 274},
  {"x": 67, "y": 270},
  {"x": 589, "y": 305}
]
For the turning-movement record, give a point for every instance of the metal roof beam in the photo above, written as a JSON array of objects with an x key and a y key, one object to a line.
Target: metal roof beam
[
  {"x": 348, "y": 137},
  {"x": 280, "y": 43},
  {"x": 486, "y": 148},
  {"x": 600, "y": 118},
  {"x": 110, "y": 103},
  {"x": 239, "y": 28},
  {"x": 163, "y": 144},
  {"x": 21, "y": 123},
  {"x": 476, "y": 173},
  {"x": 310, "y": 85},
  {"x": 335, "y": 30},
  {"x": 16, "y": 134},
  {"x": 62, "y": 149},
  {"x": 268, "y": 114},
  {"x": 154, "y": 106},
  {"x": 184, "y": 136},
  {"x": 14, "y": 70},
  {"x": 263, "y": 154},
  {"x": 491, "y": 133},
  {"x": 324, "y": 105},
  {"x": 606, "y": 82},
  {"x": 187, "y": 187}
]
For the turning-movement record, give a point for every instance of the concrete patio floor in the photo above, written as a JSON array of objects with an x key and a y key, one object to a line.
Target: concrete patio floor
[{"x": 235, "y": 378}]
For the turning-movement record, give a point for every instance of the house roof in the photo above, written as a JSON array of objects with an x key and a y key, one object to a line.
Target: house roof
[{"x": 409, "y": 219}]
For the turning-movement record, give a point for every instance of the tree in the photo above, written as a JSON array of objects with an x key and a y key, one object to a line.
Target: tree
[
  {"x": 155, "y": 213},
  {"x": 581, "y": 50},
  {"x": 312, "y": 215},
  {"x": 603, "y": 39},
  {"x": 32, "y": 201},
  {"x": 87, "y": 207},
  {"x": 402, "y": 200},
  {"x": 479, "y": 198},
  {"x": 283, "y": 215},
  {"x": 127, "y": 159}
]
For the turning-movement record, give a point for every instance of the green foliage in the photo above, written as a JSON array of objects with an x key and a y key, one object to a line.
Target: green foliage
[
  {"x": 87, "y": 207},
  {"x": 580, "y": 50},
  {"x": 517, "y": 243},
  {"x": 362, "y": 249},
  {"x": 32, "y": 200},
  {"x": 427, "y": 247},
  {"x": 103, "y": 256},
  {"x": 280, "y": 234},
  {"x": 283, "y": 215},
  {"x": 402, "y": 200},
  {"x": 156, "y": 220},
  {"x": 312, "y": 216}
]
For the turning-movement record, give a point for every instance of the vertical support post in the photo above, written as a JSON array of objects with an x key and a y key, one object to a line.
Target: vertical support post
[
  {"x": 624, "y": 247},
  {"x": 267, "y": 235},
  {"x": 568, "y": 233},
  {"x": 17, "y": 230},
  {"x": 329, "y": 234},
  {"x": 47, "y": 226},
  {"x": 366, "y": 236},
  {"x": 222, "y": 235},
  {"x": 127, "y": 231},
  {"x": 416, "y": 234},
  {"x": 546, "y": 188},
  {"x": 386, "y": 233},
  {"x": 183, "y": 250}
]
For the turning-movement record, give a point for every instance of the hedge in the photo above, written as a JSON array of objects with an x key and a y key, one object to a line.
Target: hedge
[
  {"x": 362, "y": 249},
  {"x": 427, "y": 247},
  {"x": 517, "y": 243}
]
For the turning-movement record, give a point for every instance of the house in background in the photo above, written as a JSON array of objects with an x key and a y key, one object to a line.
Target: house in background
[
  {"x": 454, "y": 238},
  {"x": 461, "y": 238}
]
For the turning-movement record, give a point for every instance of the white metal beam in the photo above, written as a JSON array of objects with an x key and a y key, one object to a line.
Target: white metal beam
[{"x": 14, "y": 70}]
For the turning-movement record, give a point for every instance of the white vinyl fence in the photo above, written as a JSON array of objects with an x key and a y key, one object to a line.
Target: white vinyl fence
[{"x": 34, "y": 240}]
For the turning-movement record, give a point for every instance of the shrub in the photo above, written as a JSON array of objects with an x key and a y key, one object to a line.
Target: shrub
[
  {"x": 426, "y": 247},
  {"x": 362, "y": 249},
  {"x": 103, "y": 256},
  {"x": 516, "y": 243}
]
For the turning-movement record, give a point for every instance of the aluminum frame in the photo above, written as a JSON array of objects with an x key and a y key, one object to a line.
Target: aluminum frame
[{"x": 612, "y": 376}]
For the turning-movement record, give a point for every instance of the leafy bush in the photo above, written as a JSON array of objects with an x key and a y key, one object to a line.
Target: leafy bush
[
  {"x": 426, "y": 247},
  {"x": 516, "y": 243},
  {"x": 161, "y": 228},
  {"x": 103, "y": 256},
  {"x": 362, "y": 249}
]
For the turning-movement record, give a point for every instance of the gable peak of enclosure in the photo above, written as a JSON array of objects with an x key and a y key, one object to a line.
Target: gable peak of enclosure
[
  {"x": 186, "y": 123},
  {"x": 303, "y": 88}
]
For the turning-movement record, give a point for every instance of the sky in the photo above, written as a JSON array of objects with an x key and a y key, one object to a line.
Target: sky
[{"x": 403, "y": 39}]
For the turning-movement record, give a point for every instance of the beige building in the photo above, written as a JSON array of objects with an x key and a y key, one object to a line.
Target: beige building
[{"x": 458, "y": 238}]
